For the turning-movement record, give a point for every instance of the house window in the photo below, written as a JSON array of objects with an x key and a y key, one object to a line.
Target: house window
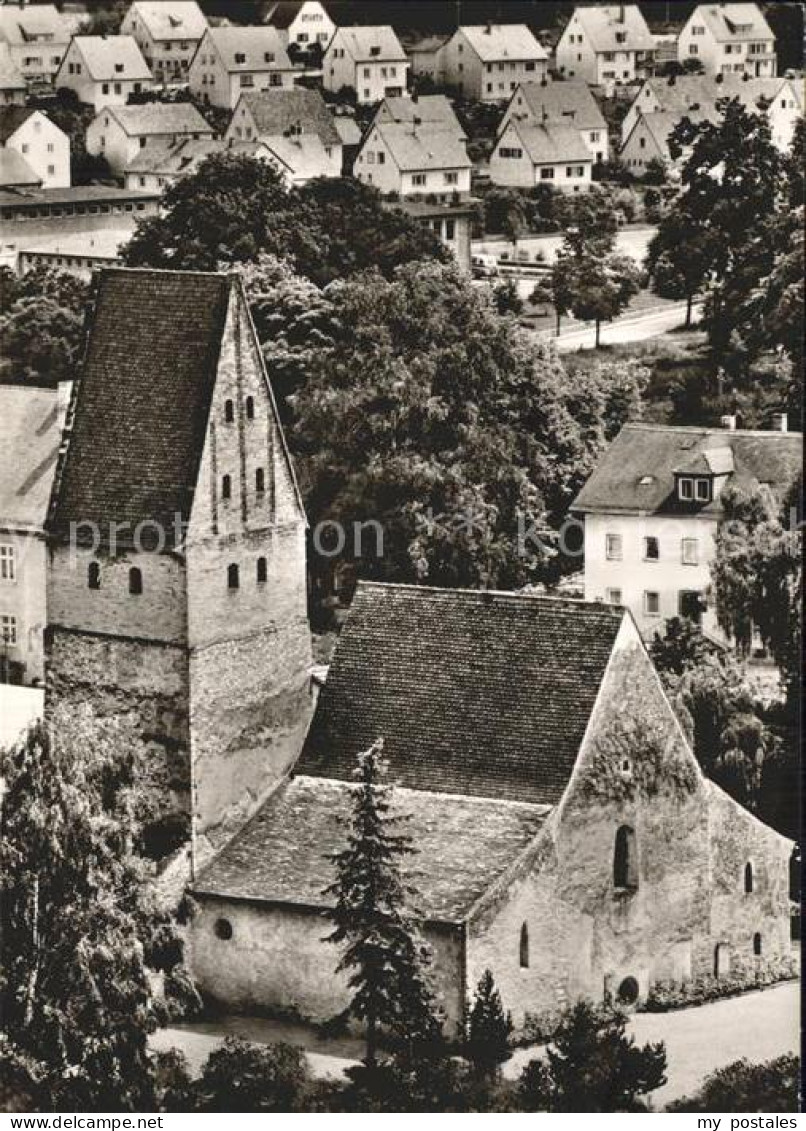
[
  {"x": 233, "y": 576},
  {"x": 613, "y": 596},
  {"x": 226, "y": 487},
  {"x": 651, "y": 549},
  {"x": 689, "y": 551},
  {"x": 698, "y": 31},
  {"x": 450, "y": 229},
  {"x": 651, "y": 603},
  {"x": 8, "y": 629},
  {"x": 524, "y": 947},
  {"x": 690, "y": 604},
  {"x": 229, "y": 411},
  {"x": 685, "y": 489},
  {"x": 94, "y": 575},
  {"x": 240, "y": 58},
  {"x": 625, "y": 860},
  {"x": 260, "y": 480},
  {"x": 381, "y": 157},
  {"x": 418, "y": 178},
  {"x": 223, "y": 929},
  {"x": 250, "y": 408},
  {"x": 8, "y": 563},
  {"x": 135, "y": 581},
  {"x": 757, "y": 944},
  {"x": 613, "y": 547},
  {"x": 262, "y": 571},
  {"x": 702, "y": 490},
  {"x": 748, "y": 877},
  {"x": 451, "y": 178},
  {"x": 547, "y": 174}
]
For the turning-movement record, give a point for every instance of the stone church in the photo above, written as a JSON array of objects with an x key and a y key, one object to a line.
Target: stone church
[{"x": 566, "y": 837}]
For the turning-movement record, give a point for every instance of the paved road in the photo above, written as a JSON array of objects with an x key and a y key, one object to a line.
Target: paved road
[
  {"x": 629, "y": 241},
  {"x": 758, "y": 1026},
  {"x": 630, "y": 328}
]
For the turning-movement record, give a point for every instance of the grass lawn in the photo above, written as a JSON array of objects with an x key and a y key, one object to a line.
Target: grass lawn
[{"x": 542, "y": 316}]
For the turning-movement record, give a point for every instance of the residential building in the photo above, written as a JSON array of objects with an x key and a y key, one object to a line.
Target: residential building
[
  {"x": 158, "y": 166},
  {"x": 295, "y": 126},
  {"x": 568, "y": 103},
  {"x": 488, "y": 61},
  {"x": 15, "y": 172},
  {"x": 414, "y": 160},
  {"x": 179, "y": 598},
  {"x": 104, "y": 70},
  {"x": 450, "y": 220},
  {"x": 651, "y": 509},
  {"x": 122, "y": 133},
  {"x": 80, "y": 254},
  {"x": 696, "y": 97},
  {"x": 565, "y": 837},
  {"x": 424, "y": 109},
  {"x": 729, "y": 39},
  {"x": 37, "y": 36},
  {"x": 231, "y": 61},
  {"x": 350, "y": 135},
  {"x": 168, "y": 33},
  {"x": 29, "y": 444},
  {"x": 35, "y": 137},
  {"x": 425, "y": 57},
  {"x": 527, "y": 154},
  {"x": 606, "y": 45},
  {"x": 305, "y": 23},
  {"x": 12, "y": 85},
  {"x": 370, "y": 60}
]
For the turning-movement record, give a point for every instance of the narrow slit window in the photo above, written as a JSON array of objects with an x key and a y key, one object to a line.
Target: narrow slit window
[
  {"x": 135, "y": 581},
  {"x": 94, "y": 576},
  {"x": 250, "y": 408},
  {"x": 229, "y": 412},
  {"x": 524, "y": 947},
  {"x": 260, "y": 480},
  {"x": 233, "y": 577},
  {"x": 226, "y": 487},
  {"x": 262, "y": 571}
]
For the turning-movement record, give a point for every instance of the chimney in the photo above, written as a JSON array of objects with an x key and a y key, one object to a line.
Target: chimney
[
  {"x": 621, "y": 17},
  {"x": 728, "y": 422},
  {"x": 780, "y": 422},
  {"x": 489, "y": 28}
]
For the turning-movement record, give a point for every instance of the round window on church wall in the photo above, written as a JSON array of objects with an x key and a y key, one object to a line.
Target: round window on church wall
[
  {"x": 628, "y": 992},
  {"x": 223, "y": 929}
]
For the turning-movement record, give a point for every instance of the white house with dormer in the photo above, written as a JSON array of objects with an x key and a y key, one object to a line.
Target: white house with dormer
[
  {"x": 489, "y": 61},
  {"x": 306, "y": 23},
  {"x": 37, "y": 36},
  {"x": 104, "y": 70},
  {"x": 428, "y": 159},
  {"x": 606, "y": 45},
  {"x": 121, "y": 133},
  {"x": 729, "y": 39},
  {"x": 39, "y": 141},
  {"x": 567, "y": 103},
  {"x": 168, "y": 32},
  {"x": 370, "y": 60},
  {"x": 232, "y": 61}
]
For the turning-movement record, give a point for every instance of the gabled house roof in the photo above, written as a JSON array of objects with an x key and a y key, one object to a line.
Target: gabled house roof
[
  {"x": 550, "y": 144},
  {"x": 29, "y": 445},
  {"x": 153, "y": 119},
  {"x": 636, "y": 473},
  {"x": 703, "y": 91},
  {"x": 603, "y": 23},
  {"x": 479, "y": 693},
  {"x": 500, "y": 42},
  {"x": 464, "y": 844},
  {"x": 111, "y": 58},
  {"x": 22, "y": 25},
  {"x": 250, "y": 48},
  {"x": 564, "y": 103},
  {"x": 15, "y": 172},
  {"x": 348, "y": 129},
  {"x": 278, "y": 113},
  {"x": 424, "y": 108},
  {"x": 302, "y": 156},
  {"x": 10, "y": 75},
  {"x": 731, "y": 22},
  {"x": 371, "y": 44},
  {"x": 430, "y": 146},
  {"x": 173, "y": 158},
  {"x": 171, "y": 19},
  {"x": 11, "y": 118},
  {"x": 282, "y": 13}
]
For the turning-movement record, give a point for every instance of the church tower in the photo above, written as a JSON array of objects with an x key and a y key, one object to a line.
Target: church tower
[{"x": 176, "y": 584}]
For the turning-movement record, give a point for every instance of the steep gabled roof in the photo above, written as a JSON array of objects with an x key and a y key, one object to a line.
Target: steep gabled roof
[
  {"x": 261, "y": 48},
  {"x": 434, "y": 109},
  {"x": 29, "y": 445},
  {"x": 372, "y": 44},
  {"x": 104, "y": 54},
  {"x": 157, "y": 118},
  {"x": 142, "y": 399},
  {"x": 174, "y": 158},
  {"x": 15, "y": 170},
  {"x": 277, "y": 112},
  {"x": 564, "y": 103},
  {"x": 348, "y": 129},
  {"x": 636, "y": 473},
  {"x": 480, "y": 693},
  {"x": 500, "y": 42},
  {"x": 703, "y": 91},
  {"x": 730, "y": 22},
  {"x": 602, "y": 23},
  {"x": 20, "y": 25},
  {"x": 429, "y": 146},
  {"x": 11, "y": 118},
  {"x": 304, "y": 157},
  {"x": 172, "y": 19},
  {"x": 10, "y": 75},
  {"x": 464, "y": 844},
  {"x": 551, "y": 144}
]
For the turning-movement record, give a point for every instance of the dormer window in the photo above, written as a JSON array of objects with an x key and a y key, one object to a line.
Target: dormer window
[
  {"x": 240, "y": 57},
  {"x": 118, "y": 68},
  {"x": 268, "y": 57},
  {"x": 374, "y": 51},
  {"x": 691, "y": 489},
  {"x": 702, "y": 490}
]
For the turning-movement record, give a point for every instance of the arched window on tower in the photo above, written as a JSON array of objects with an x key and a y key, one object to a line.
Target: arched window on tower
[
  {"x": 260, "y": 480},
  {"x": 250, "y": 408},
  {"x": 262, "y": 571},
  {"x": 229, "y": 411},
  {"x": 233, "y": 577},
  {"x": 94, "y": 575},
  {"x": 748, "y": 877},
  {"x": 226, "y": 487},
  {"x": 625, "y": 860},
  {"x": 524, "y": 946},
  {"x": 757, "y": 944},
  {"x": 135, "y": 581}
]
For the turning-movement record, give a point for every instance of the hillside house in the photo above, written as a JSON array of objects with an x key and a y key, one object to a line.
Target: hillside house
[
  {"x": 528, "y": 154},
  {"x": 39, "y": 141},
  {"x": 123, "y": 133},
  {"x": 305, "y": 23},
  {"x": 232, "y": 61},
  {"x": 104, "y": 70},
  {"x": 729, "y": 39},
  {"x": 168, "y": 33},
  {"x": 606, "y": 45},
  {"x": 567, "y": 103},
  {"x": 414, "y": 160},
  {"x": 489, "y": 61},
  {"x": 295, "y": 127},
  {"x": 423, "y": 109},
  {"x": 13, "y": 87},
  {"x": 160, "y": 165},
  {"x": 37, "y": 36},
  {"x": 370, "y": 60}
]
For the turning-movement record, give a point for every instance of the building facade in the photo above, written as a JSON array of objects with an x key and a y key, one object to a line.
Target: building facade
[
  {"x": 295, "y": 127},
  {"x": 568, "y": 103},
  {"x": 729, "y": 39},
  {"x": 370, "y": 60},
  {"x": 606, "y": 45},
  {"x": 104, "y": 70},
  {"x": 122, "y": 133},
  {"x": 37, "y": 139},
  {"x": 167, "y": 33},
  {"x": 414, "y": 160},
  {"x": 37, "y": 36},
  {"x": 13, "y": 87},
  {"x": 231, "y": 61},
  {"x": 489, "y": 61},
  {"x": 527, "y": 154}
]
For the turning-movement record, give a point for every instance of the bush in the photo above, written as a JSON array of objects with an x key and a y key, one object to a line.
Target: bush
[
  {"x": 664, "y": 995},
  {"x": 771, "y": 1087},
  {"x": 240, "y": 1077}
]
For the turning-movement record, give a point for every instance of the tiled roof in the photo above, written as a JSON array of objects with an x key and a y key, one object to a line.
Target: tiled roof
[
  {"x": 11, "y": 118},
  {"x": 464, "y": 844},
  {"x": 731, "y": 22},
  {"x": 72, "y": 194},
  {"x": 486, "y": 694},
  {"x": 429, "y": 146},
  {"x": 703, "y": 91},
  {"x": 143, "y": 400},
  {"x": 636, "y": 473},
  {"x": 602, "y": 24},
  {"x": 20, "y": 25},
  {"x": 261, "y": 47},
  {"x": 304, "y": 157},
  {"x": 173, "y": 158},
  {"x": 428, "y": 108},
  {"x": 347, "y": 128},
  {"x": 15, "y": 170},
  {"x": 29, "y": 444},
  {"x": 494, "y": 42},
  {"x": 10, "y": 75},
  {"x": 549, "y": 144},
  {"x": 361, "y": 42},
  {"x": 276, "y": 112},
  {"x": 566, "y": 103},
  {"x": 103, "y": 54},
  {"x": 154, "y": 118},
  {"x": 172, "y": 19},
  {"x": 282, "y": 13}
]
